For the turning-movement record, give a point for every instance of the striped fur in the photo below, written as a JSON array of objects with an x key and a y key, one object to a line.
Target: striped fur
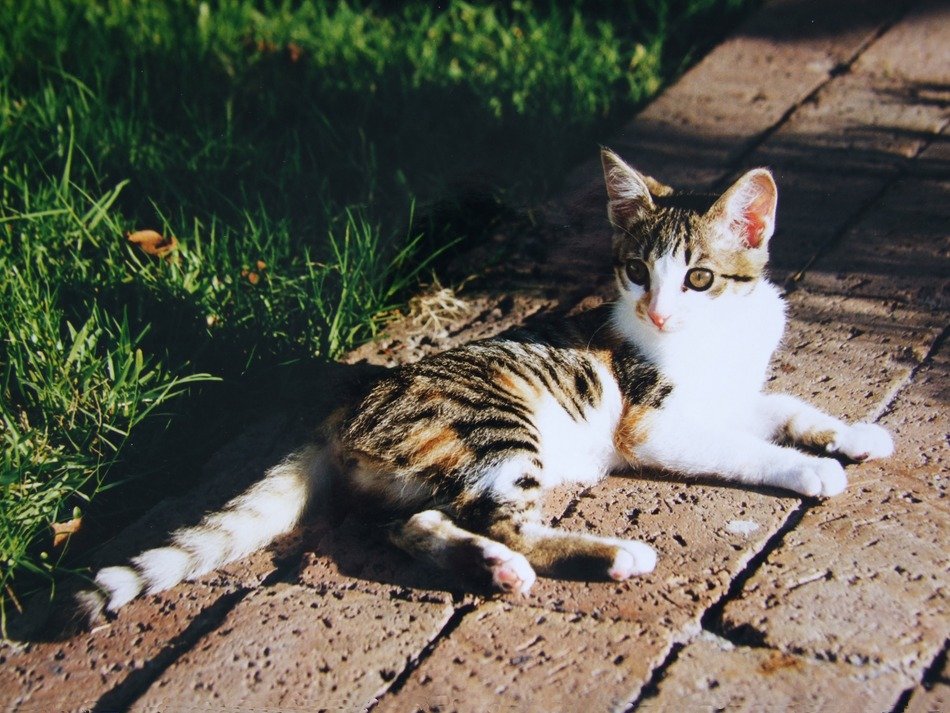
[{"x": 455, "y": 452}]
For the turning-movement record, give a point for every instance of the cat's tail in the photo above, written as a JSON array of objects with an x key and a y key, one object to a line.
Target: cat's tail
[{"x": 268, "y": 509}]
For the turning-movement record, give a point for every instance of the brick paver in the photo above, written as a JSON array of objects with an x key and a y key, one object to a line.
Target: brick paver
[
  {"x": 863, "y": 578},
  {"x": 510, "y": 658},
  {"x": 934, "y": 696},
  {"x": 293, "y": 647},
  {"x": 760, "y": 600},
  {"x": 713, "y": 674}
]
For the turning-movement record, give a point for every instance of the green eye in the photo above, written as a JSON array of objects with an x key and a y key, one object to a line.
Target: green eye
[
  {"x": 699, "y": 279},
  {"x": 637, "y": 272}
]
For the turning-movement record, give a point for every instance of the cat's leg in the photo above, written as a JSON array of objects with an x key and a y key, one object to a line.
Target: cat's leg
[
  {"x": 692, "y": 447},
  {"x": 576, "y": 555},
  {"x": 786, "y": 417},
  {"x": 516, "y": 522},
  {"x": 432, "y": 536}
]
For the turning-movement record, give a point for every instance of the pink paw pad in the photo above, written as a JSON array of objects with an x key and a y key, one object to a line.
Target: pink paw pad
[{"x": 510, "y": 571}]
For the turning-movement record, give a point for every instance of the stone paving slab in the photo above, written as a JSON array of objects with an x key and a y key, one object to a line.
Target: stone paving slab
[
  {"x": 840, "y": 577},
  {"x": 874, "y": 560},
  {"x": 75, "y": 674},
  {"x": 509, "y": 658},
  {"x": 694, "y": 132},
  {"x": 934, "y": 161},
  {"x": 295, "y": 648},
  {"x": 844, "y": 146},
  {"x": 934, "y": 698},
  {"x": 900, "y": 251},
  {"x": 914, "y": 50},
  {"x": 712, "y": 674}
]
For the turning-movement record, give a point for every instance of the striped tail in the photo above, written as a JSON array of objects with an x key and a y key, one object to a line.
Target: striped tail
[{"x": 265, "y": 511}]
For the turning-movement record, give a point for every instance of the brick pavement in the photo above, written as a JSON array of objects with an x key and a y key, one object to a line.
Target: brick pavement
[{"x": 761, "y": 600}]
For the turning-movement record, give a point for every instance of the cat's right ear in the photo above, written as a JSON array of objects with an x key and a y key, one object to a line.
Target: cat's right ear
[
  {"x": 746, "y": 212},
  {"x": 628, "y": 194}
]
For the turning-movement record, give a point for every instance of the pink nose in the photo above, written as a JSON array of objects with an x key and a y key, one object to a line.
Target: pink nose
[{"x": 658, "y": 319}]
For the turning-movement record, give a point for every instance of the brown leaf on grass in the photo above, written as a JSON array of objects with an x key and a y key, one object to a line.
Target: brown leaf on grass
[
  {"x": 294, "y": 52},
  {"x": 62, "y": 531},
  {"x": 152, "y": 242}
]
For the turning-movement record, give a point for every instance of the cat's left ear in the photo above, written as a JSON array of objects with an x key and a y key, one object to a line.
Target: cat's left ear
[{"x": 746, "y": 212}]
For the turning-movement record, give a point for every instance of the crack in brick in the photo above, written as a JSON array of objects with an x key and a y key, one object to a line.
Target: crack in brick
[
  {"x": 413, "y": 664},
  {"x": 133, "y": 686},
  {"x": 903, "y": 168},
  {"x": 933, "y": 675},
  {"x": 885, "y": 407},
  {"x": 651, "y": 689},
  {"x": 838, "y": 70}
]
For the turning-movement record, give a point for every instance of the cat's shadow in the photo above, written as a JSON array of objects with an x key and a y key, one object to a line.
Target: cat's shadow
[{"x": 351, "y": 550}]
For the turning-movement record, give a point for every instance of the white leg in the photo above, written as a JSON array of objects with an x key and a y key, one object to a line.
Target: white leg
[
  {"x": 787, "y": 417},
  {"x": 693, "y": 448}
]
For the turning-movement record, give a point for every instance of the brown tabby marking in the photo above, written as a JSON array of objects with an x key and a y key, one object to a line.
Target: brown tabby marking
[
  {"x": 814, "y": 439},
  {"x": 631, "y": 432}
]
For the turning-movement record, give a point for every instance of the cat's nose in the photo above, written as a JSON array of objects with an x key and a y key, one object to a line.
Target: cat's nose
[{"x": 658, "y": 319}]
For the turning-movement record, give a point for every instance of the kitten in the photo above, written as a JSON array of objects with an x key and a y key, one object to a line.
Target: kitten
[{"x": 456, "y": 450}]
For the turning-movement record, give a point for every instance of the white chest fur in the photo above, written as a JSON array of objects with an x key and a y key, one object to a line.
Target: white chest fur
[{"x": 717, "y": 361}]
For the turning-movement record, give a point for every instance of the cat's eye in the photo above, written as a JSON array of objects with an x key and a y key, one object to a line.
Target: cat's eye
[
  {"x": 638, "y": 273},
  {"x": 699, "y": 279}
]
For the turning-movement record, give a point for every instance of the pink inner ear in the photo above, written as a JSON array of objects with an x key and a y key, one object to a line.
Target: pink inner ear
[
  {"x": 754, "y": 215},
  {"x": 753, "y": 228}
]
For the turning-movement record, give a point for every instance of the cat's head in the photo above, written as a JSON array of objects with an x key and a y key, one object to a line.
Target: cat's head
[{"x": 676, "y": 254}]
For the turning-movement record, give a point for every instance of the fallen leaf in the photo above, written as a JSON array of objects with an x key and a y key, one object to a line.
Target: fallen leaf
[
  {"x": 253, "y": 278},
  {"x": 261, "y": 265},
  {"x": 294, "y": 51},
  {"x": 62, "y": 531},
  {"x": 152, "y": 242}
]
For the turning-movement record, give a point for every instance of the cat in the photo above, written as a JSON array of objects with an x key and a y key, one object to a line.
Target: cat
[{"x": 454, "y": 452}]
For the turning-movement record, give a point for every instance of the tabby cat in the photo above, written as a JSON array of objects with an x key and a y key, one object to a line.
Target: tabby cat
[{"x": 457, "y": 449}]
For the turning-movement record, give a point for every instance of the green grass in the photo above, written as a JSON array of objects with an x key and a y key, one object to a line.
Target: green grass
[{"x": 312, "y": 159}]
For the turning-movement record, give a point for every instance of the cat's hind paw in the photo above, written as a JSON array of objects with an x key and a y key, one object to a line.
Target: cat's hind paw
[
  {"x": 819, "y": 477},
  {"x": 510, "y": 571},
  {"x": 631, "y": 558},
  {"x": 863, "y": 441}
]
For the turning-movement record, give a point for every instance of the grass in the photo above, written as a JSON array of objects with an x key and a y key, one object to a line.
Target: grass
[{"x": 311, "y": 160}]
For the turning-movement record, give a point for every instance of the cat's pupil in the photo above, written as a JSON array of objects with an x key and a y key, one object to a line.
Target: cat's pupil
[
  {"x": 699, "y": 279},
  {"x": 638, "y": 273}
]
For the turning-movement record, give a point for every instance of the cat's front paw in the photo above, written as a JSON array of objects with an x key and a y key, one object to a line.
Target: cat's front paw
[
  {"x": 819, "y": 477},
  {"x": 631, "y": 558},
  {"x": 863, "y": 441},
  {"x": 510, "y": 571}
]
